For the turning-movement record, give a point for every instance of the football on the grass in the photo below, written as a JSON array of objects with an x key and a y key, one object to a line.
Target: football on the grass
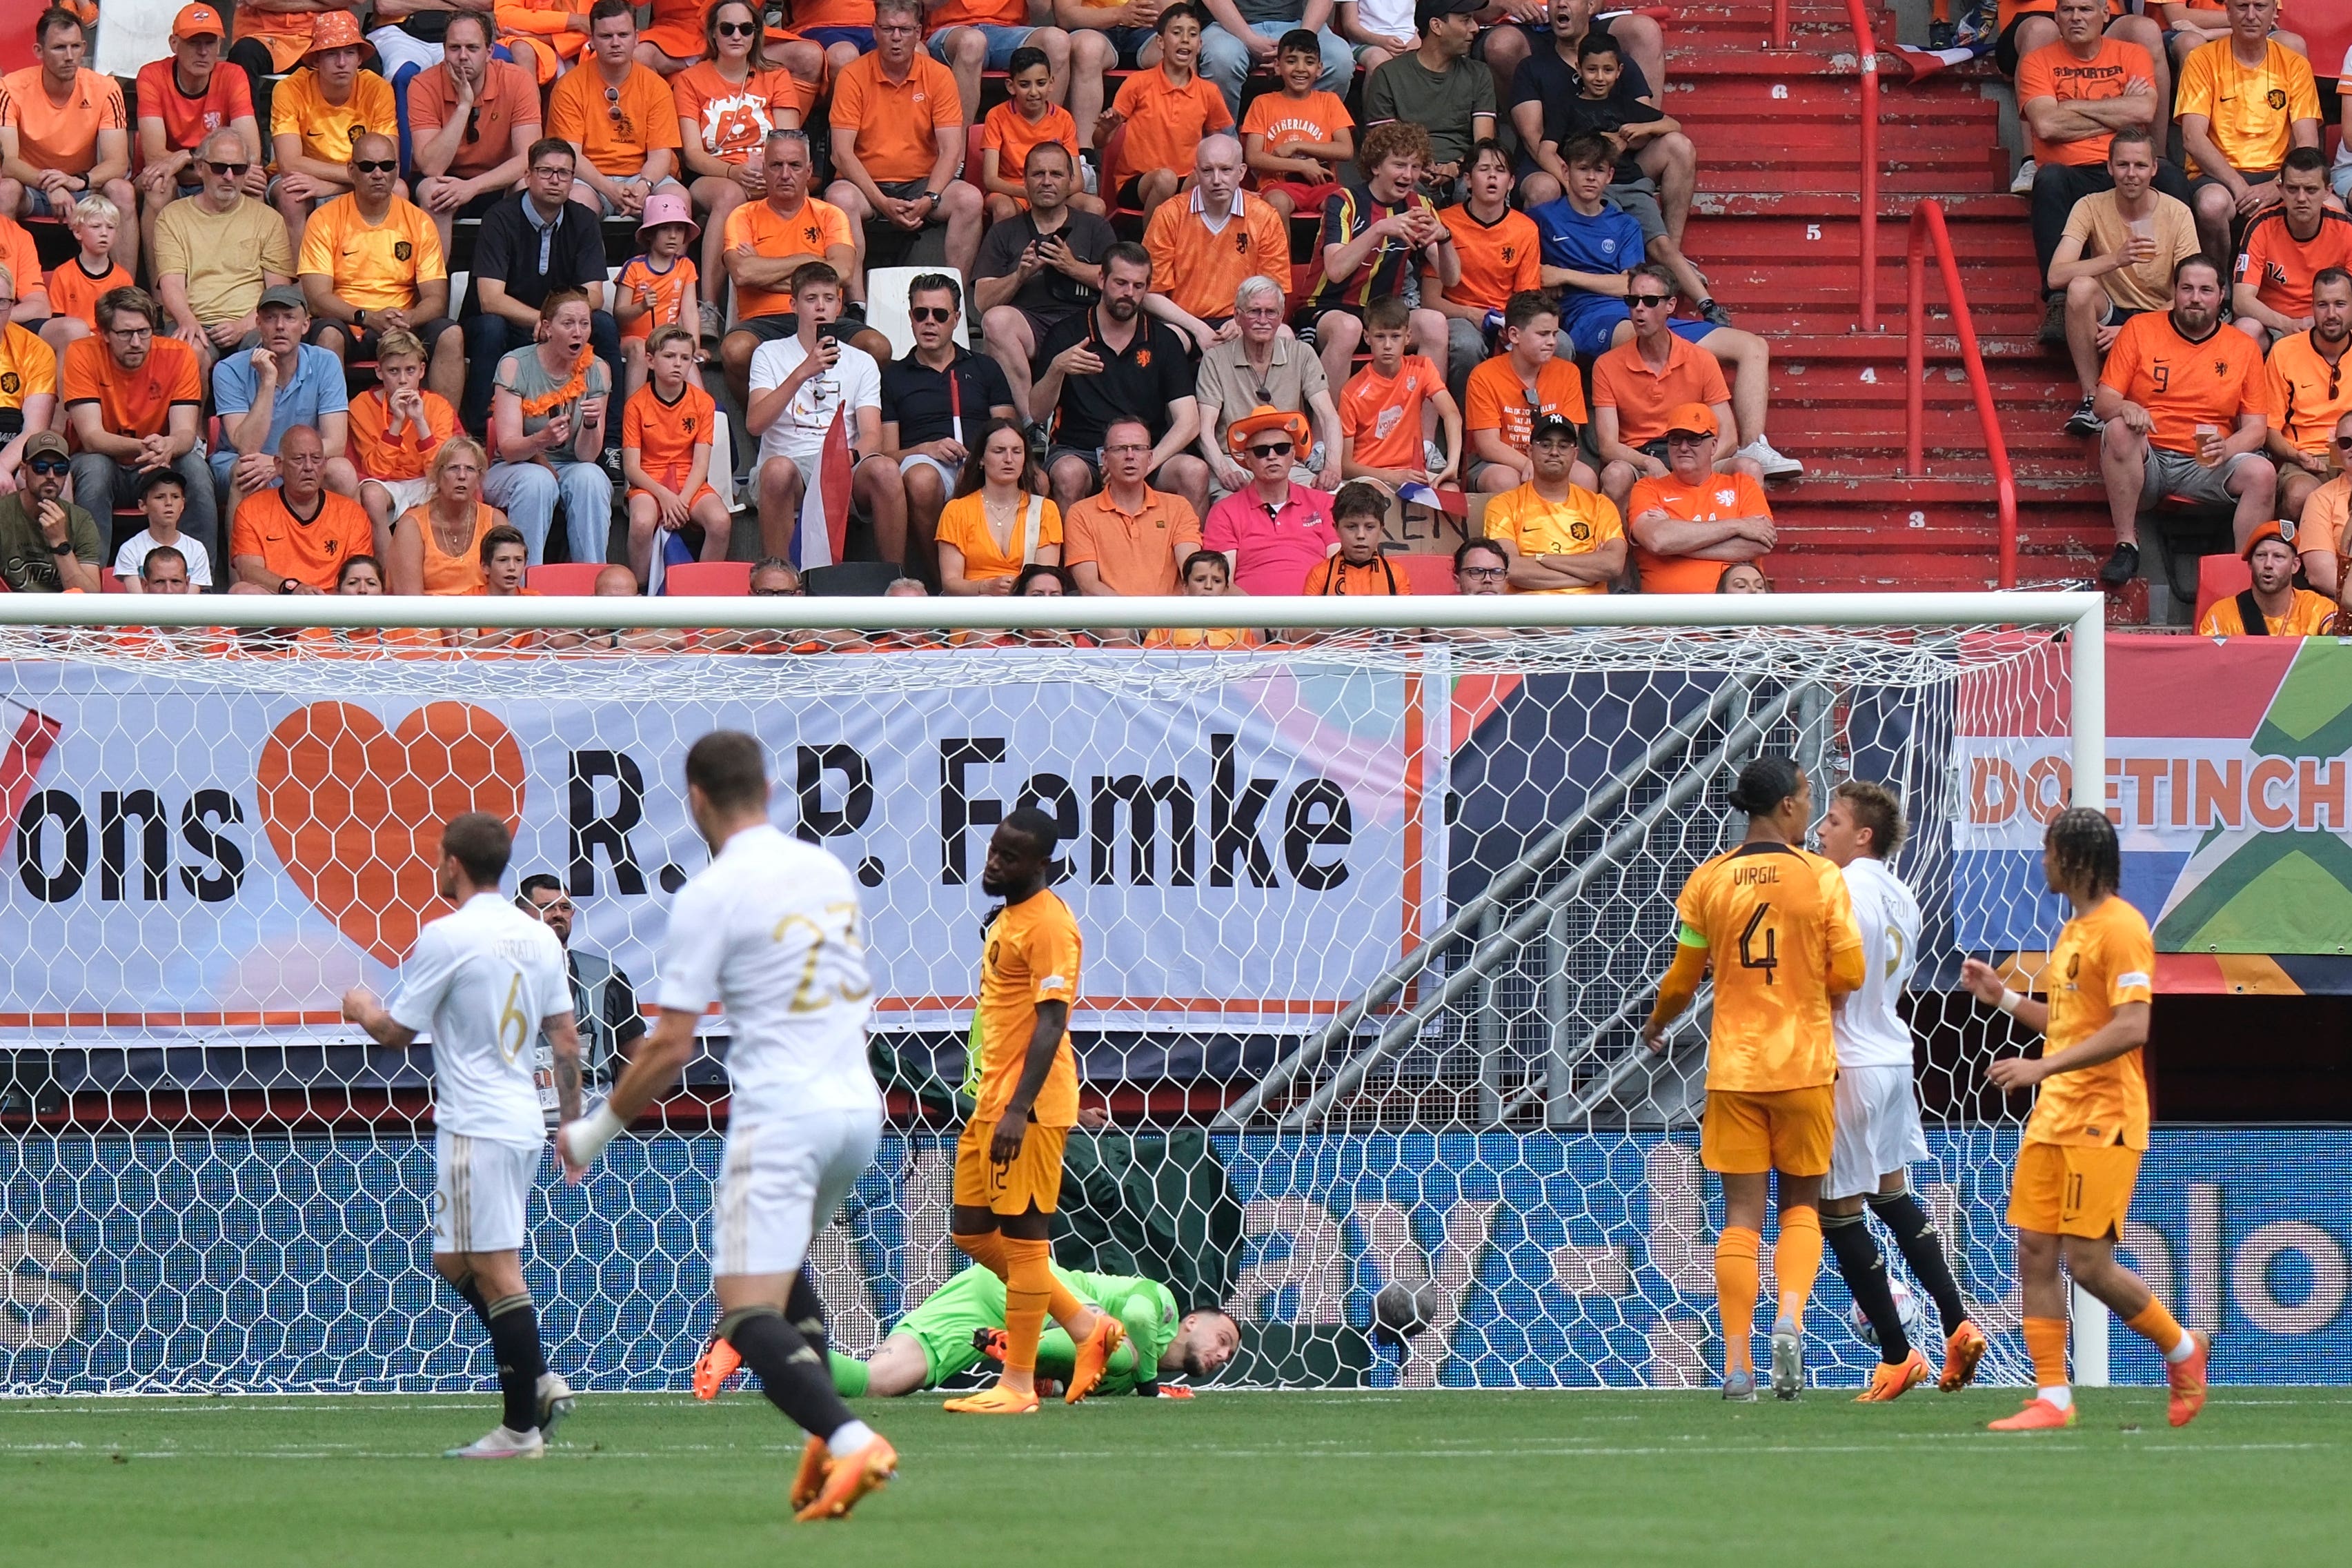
[{"x": 1400, "y": 1310}]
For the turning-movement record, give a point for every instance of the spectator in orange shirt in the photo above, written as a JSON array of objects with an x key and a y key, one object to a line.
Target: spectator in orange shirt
[
  {"x": 619, "y": 116},
  {"x": 471, "y": 121},
  {"x": 897, "y": 141},
  {"x": 2309, "y": 395},
  {"x": 969, "y": 36},
  {"x": 2187, "y": 415},
  {"x": 1384, "y": 433},
  {"x": 1526, "y": 381},
  {"x": 665, "y": 448},
  {"x": 1690, "y": 521},
  {"x": 727, "y": 107},
  {"x": 1360, "y": 516},
  {"x": 1203, "y": 246},
  {"x": 1637, "y": 384},
  {"x": 317, "y": 114},
  {"x": 396, "y": 427},
  {"x": 182, "y": 99},
  {"x": 436, "y": 546},
  {"x": 2244, "y": 102},
  {"x": 1165, "y": 111},
  {"x": 372, "y": 263},
  {"x": 1501, "y": 255},
  {"x": 2283, "y": 610},
  {"x": 295, "y": 537},
  {"x": 2285, "y": 247},
  {"x": 131, "y": 403},
  {"x": 767, "y": 243},
  {"x": 28, "y": 383},
  {"x": 82, "y": 280},
  {"x": 63, "y": 132},
  {"x": 1021, "y": 122},
  {"x": 1127, "y": 539},
  {"x": 659, "y": 289},
  {"x": 1207, "y": 574},
  {"x": 998, "y": 522},
  {"x": 544, "y": 41},
  {"x": 1297, "y": 140}
]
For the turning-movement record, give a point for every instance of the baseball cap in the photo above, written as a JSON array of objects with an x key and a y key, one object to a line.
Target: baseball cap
[
  {"x": 1694, "y": 417},
  {"x": 284, "y": 294},
  {"x": 47, "y": 443},
  {"x": 196, "y": 21},
  {"x": 1550, "y": 424},
  {"x": 1425, "y": 11},
  {"x": 154, "y": 477}
]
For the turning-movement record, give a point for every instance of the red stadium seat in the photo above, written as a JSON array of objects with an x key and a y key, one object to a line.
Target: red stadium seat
[
  {"x": 107, "y": 582},
  {"x": 1429, "y": 574},
  {"x": 561, "y": 578},
  {"x": 2219, "y": 577},
  {"x": 972, "y": 159},
  {"x": 708, "y": 580}
]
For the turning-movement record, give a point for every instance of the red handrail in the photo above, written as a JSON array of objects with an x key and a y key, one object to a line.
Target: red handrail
[
  {"x": 1928, "y": 225},
  {"x": 1866, "y": 42}
]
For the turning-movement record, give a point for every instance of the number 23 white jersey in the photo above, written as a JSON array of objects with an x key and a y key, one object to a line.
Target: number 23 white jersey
[
  {"x": 1869, "y": 1030},
  {"x": 771, "y": 931},
  {"x": 478, "y": 985}
]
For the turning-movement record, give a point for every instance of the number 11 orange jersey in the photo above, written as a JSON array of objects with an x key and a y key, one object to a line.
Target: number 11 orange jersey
[{"x": 1778, "y": 925}]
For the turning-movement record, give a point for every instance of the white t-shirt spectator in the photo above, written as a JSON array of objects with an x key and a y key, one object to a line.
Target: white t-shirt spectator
[
  {"x": 854, "y": 383},
  {"x": 131, "y": 558}
]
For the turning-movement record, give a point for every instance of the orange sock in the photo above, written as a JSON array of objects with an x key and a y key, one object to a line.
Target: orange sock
[
  {"x": 1065, "y": 1307},
  {"x": 987, "y": 1249},
  {"x": 1797, "y": 1260},
  {"x": 2159, "y": 1328},
  {"x": 1028, "y": 1281},
  {"x": 1736, "y": 1289},
  {"x": 2045, "y": 1342}
]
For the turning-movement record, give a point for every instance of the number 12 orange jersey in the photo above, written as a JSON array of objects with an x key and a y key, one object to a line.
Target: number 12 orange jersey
[{"x": 1781, "y": 940}]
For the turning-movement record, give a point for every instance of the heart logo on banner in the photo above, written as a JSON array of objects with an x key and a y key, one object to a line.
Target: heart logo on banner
[{"x": 355, "y": 811}]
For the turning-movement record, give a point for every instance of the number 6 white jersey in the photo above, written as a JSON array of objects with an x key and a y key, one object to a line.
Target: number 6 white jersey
[
  {"x": 1869, "y": 1030},
  {"x": 478, "y": 985},
  {"x": 771, "y": 931}
]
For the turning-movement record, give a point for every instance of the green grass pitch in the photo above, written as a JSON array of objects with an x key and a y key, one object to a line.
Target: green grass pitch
[{"x": 1468, "y": 1480}]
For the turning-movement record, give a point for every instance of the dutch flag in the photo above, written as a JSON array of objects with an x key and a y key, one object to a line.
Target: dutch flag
[{"x": 822, "y": 531}]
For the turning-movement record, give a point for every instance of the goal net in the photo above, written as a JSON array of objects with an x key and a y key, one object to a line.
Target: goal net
[{"x": 1373, "y": 918}]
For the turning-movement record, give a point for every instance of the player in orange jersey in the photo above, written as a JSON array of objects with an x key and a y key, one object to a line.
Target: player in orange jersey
[
  {"x": 1008, "y": 1169},
  {"x": 1777, "y": 925},
  {"x": 2081, "y": 1154}
]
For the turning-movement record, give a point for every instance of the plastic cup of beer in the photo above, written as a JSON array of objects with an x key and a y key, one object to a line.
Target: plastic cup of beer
[{"x": 2209, "y": 437}]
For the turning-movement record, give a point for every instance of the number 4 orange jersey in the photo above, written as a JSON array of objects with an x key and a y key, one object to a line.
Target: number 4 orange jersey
[{"x": 1779, "y": 928}]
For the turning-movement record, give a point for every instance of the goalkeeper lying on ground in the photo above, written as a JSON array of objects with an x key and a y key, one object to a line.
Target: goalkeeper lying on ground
[{"x": 946, "y": 1335}]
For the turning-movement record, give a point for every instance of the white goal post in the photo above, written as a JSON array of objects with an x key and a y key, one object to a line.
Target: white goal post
[{"x": 1386, "y": 885}]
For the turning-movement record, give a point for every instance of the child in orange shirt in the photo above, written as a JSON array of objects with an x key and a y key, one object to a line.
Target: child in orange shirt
[
  {"x": 396, "y": 426},
  {"x": 1385, "y": 408},
  {"x": 1166, "y": 113},
  {"x": 666, "y": 436},
  {"x": 1294, "y": 140},
  {"x": 1028, "y": 117},
  {"x": 75, "y": 287},
  {"x": 1360, "y": 516},
  {"x": 659, "y": 287},
  {"x": 1206, "y": 574}
]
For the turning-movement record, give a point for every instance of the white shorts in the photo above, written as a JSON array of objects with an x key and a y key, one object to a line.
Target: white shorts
[
  {"x": 481, "y": 1189},
  {"x": 782, "y": 1179},
  {"x": 1877, "y": 1129},
  {"x": 407, "y": 494}
]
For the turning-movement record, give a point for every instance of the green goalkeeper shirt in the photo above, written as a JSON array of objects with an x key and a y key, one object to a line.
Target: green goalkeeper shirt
[{"x": 1145, "y": 1307}]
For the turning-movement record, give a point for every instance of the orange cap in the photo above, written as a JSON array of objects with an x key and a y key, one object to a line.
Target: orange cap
[
  {"x": 335, "y": 30},
  {"x": 2268, "y": 530},
  {"x": 1694, "y": 417},
  {"x": 196, "y": 21}
]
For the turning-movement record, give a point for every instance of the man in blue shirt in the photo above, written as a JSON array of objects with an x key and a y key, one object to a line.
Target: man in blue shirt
[
  {"x": 263, "y": 394},
  {"x": 1591, "y": 246}
]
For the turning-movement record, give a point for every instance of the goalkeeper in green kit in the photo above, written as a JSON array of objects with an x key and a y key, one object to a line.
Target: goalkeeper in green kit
[{"x": 952, "y": 1333}]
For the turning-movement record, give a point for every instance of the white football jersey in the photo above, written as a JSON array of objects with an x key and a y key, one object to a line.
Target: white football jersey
[
  {"x": 478, "y": 985},
  {"x": 1869, "y": 1030},
  {"x": 771, "y": 931}
]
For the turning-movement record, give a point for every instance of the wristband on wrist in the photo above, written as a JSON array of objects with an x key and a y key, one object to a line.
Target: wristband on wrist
[
  {"x": 2010, "y": 1001},
  {"x": 586, "y": 1138}
]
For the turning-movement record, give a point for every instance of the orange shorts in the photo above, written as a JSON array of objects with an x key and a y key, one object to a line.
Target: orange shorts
[
  {"x": 691, "y": 501},
  {"x": 2061, "y": 1189},
  {"x": 1789, "y": 1131},
  {"x": 1034, "y": 1177}
]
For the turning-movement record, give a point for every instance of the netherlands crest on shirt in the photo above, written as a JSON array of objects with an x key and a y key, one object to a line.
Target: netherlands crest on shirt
[
  {"x": 1579, "y": 531},
  {"x": 1142, "y": 358},
  {"x": 1510, "y": 253},
  {"x": 402, "y": 250},
  {"x": 1726, "y": 498}
]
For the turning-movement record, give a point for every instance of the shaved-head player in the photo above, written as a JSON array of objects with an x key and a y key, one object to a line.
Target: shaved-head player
[{"x": 770, "y": 930}]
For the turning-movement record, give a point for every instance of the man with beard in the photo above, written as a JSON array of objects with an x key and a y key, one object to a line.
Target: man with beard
[
  {"x": 2286, "y": 248},
  {"x": 2308, "y": 397},
  {"x": 2273, "y": 606},
  {"x": 1114, "y": 362},
  {"x": 2186, "y": 414}
]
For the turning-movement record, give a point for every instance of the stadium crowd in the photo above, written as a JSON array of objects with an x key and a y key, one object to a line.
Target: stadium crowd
[{"x": 1246, "y": 274}]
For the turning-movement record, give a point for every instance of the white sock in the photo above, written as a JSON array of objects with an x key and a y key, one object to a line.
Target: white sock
[
  {"x": 851, "y": 1437},
  {"x": 2184, "y": 1350},
  {"x": 2061, "y": 1396}
]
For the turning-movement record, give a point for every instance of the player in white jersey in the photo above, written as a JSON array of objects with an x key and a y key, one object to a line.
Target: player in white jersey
[
  {"x": 1878, "y": 1134},
  {"x": 770, "y": 930},
  {"x": 481, "y": 984}
]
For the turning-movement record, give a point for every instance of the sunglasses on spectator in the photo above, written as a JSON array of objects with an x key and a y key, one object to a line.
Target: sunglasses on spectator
[
  {"x": 376, "y": 166},
  {"x": 1279, "y": 449},
  {"x": 736, "y": 29},
  {"x": 929, "y": 313},
  {"x": 473, "y": 125},
  {"x": 47, "y": 464},
  {"x": 2344, "y": 443},
  {"x": 613, "y": 108},
  {"x": 1647, "y": 301},
  {"x": 227, "y": 170}
]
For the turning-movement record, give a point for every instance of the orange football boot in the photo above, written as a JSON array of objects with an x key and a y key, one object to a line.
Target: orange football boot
[
  {"x": 809, "y": 1480},
  {"x": 718, "y": 1361},
  {"x": 1108, "y": 1335},
  {"x": 1891, "y": 1383},
  {"x": 997, "y": 1401},
  {"x": 2039, "y": 1416},
  {"x": 1961, "y": 1353},
  {"x": 2187, "y": 1380},
  {"x": 846, "y": 1480}
]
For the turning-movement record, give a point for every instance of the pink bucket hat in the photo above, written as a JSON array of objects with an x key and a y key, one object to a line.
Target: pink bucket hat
[{"x": 667, "y": 206}]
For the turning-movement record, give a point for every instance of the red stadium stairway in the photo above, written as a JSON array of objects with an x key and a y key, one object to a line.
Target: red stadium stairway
[{"x": 1776, "y": 232}]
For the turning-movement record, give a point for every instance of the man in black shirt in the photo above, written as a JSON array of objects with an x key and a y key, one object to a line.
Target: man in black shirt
[
  {"x": 604, "y": 1004},
  {"x": 531, "y": 246},
  {"x": 1038, "y": 269},
  {"x": 931, "y": 400},
  {"x": 1111, "y": 363}
]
